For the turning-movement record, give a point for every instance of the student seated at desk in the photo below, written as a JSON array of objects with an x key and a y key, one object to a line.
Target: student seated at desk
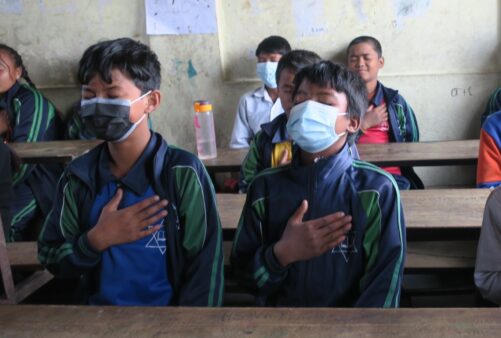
[
  {"x": 488, "y": 263},
  {"x": 492, "y": 106},
  {"x": 262, "y": 104},
  {"x": 389, "y": 117},
  {"x": 8, "y": 164},
  {"x": 30, "y": 118},
  {"x": 326, "y": 230},
  {"x": 271, "y": 146},
  {"x": 489, "y": 153},
  {"x": 134, "y": 218}
]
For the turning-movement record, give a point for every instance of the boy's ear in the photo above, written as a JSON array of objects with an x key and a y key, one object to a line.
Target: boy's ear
[
  {"x": 154, "y": 100},
  {"x": 18, "y": 72},
  {"x": 354, "y": 125},
  {"x": 381, "y": 62}
]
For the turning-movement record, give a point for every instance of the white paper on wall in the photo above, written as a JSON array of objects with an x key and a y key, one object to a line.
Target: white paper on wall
[{"x": 177, "y": 17}]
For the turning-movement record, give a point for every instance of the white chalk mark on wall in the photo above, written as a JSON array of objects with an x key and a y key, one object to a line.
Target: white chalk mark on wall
[
  {"x": 176, "y": 17},
  {"x": 405, "y": 9},
  {"x": 308, "y": 16}
]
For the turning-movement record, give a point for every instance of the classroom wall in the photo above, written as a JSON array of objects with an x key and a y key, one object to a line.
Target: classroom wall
[{"x": 441, "y": 55}]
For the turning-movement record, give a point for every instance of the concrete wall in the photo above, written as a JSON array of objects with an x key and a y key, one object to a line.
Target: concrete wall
[{"x": 441, "y": 55}]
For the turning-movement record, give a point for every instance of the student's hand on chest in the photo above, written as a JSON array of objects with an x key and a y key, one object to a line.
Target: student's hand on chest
[
  {"x": 128, "y": 224},
  {"x": 305, "y": 240}
]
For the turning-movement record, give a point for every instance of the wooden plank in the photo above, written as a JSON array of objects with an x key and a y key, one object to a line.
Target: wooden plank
[
  {"x": 433, "y": 209},
  {"x": 106, "y": 321},
  {"x": 24, "y": 254},
  {"x": 439, "y": 153},
  {"x": 53, "y": 151},
  {"x": 429, "y": 255}
]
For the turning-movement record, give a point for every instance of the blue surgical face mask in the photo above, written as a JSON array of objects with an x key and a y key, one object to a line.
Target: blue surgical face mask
[
  {"x": 266, "y": 72},
  {"x": 312, "y": 125},
  {"x": 108, "y": 119}
]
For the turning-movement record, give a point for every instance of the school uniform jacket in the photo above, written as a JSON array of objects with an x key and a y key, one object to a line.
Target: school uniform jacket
[
  {"x": 33, "y": 119},
  {"x": 403, "y": 125},
  {"x": 488, "y": 263},
  {"x": 489, "y": 153},
  {"x": 192, "y": 226},
  {"x": 492, "y": 106},
  {"x": 365, "y": 270},
  {"x": 267, "y": 144}
]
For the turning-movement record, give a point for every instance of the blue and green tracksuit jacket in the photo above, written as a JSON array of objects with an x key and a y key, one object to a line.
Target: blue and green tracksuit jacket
[
  {"x": 192, "y": 227},
  {"x": 492, "y": 106},
  {"x": 32, "y": 118},
  {"x": 403, "y": 125},
  {"x": 264, "y": 145},
  {"x": 364, "y": 271}
]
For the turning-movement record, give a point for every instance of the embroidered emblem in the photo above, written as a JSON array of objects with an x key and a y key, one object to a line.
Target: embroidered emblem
[
  {"x": 346, "y": 247},
  {"x": 157, "y": 240}
]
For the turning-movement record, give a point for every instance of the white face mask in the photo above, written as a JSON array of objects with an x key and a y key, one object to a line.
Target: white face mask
[
  {"x": 266, "y": 72},
  {"x": 312, "y": 125}
]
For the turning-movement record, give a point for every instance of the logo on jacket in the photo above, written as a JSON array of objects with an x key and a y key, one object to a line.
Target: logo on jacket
[
  {"x": 346, "y": 247},
  {"x": 157, "y": 240}
]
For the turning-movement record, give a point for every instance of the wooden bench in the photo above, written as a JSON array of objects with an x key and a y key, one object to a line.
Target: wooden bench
[
  {"x": 53, "y": 151},
  {"x": 22, "y": 255},
  {"x": 462, "y": 152},
  {"x": 439, "y": 209},
  {"x": 105, "y": 321}
]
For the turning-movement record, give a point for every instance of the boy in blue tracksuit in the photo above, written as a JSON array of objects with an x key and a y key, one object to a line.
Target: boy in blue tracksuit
[
  {"x": 135, "y": 219},
  {"x": 389, "y": 117},
  {"x": 271, "y": 146},
  {"x": 30, "y": 117},
  {"x": 326, "y": 230}
]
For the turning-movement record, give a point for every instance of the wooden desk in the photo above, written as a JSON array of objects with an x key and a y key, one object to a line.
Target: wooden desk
[
  {"x": 423, "y": 209},
  {"x": 464, "y": 152},
  {"x": 52, "y": 151},
  {"x": 85, "y": 321}
]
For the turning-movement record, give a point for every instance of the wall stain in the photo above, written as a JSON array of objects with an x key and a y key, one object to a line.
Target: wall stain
[{"x": 192, "y": 72}]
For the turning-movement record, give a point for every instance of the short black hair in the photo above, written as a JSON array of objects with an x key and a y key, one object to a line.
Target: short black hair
[
  {"x": 338, "y": 77},
  {"x": 273, "y": 44},
  {"x": 133, "y": 58},
  {"x": 296, "y": 60},
  {"x": 367, "y": 39}
]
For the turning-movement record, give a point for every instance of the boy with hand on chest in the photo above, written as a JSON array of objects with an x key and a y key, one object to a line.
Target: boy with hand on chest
[
  {"x": 262, "y": 104},
  {"x": 135, "y": 219},
  {"x": 389, "y": 117},
  {"x": 326, "y": 230}
]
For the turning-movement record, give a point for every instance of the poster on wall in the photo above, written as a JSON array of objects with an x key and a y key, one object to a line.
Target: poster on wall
[{"x": 178, "y": 17}]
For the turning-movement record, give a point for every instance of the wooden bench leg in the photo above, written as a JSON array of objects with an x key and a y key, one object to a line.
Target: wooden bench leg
[{"x": 17, "y": 293}]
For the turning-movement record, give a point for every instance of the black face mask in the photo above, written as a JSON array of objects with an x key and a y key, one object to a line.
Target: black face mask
[{"x": 108, "y": 119}]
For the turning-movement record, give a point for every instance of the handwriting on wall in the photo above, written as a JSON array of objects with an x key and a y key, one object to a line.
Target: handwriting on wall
[{"x": 460, "y": 92}]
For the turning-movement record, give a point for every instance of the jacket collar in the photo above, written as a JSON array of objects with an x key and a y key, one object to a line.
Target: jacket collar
[
  {"x": 383, "y": 93},
  {"x": 89, "y": 168},
  {"x": 276, "y": 129},
  {"x": 330, "y": 167}
]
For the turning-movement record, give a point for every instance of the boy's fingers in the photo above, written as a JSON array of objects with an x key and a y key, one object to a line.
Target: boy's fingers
[
  {"x": 335, "y": 218},
  {"x": 298, "y": 215},
  {"x": 144, "y": 204},
  {"x": 285, "y": 156},
  {"x": 153, "y": 209},
  {"x": 115, "y": 200},
  {"x": 149, "y": 231},
  {"x": 153, "y": 219}
]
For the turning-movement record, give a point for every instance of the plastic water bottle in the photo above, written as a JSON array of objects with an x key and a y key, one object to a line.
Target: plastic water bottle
[{"x": 204, "y": 130}]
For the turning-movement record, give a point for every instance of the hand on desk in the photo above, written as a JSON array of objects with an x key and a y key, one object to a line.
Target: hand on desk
[
  {"x": 305, "y": 240},
  {"x": 128, "y": 224}
]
